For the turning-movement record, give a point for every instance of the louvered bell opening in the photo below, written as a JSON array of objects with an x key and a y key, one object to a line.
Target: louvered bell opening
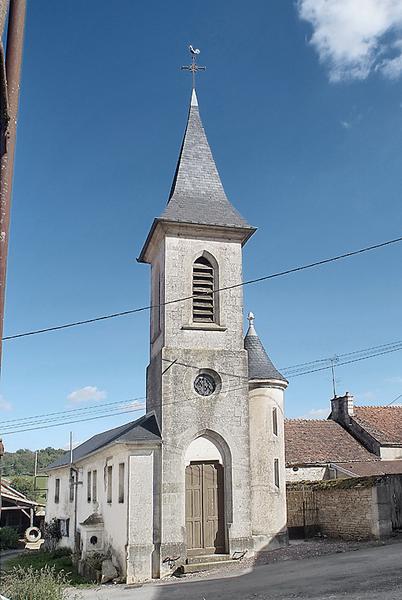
[{"x": 203, "y": 286}]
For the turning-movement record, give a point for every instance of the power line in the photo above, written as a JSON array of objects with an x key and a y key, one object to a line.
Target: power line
[
  {"x": 296, "y": 370},
  {"x": 347, "y": 362},
  {"x": 82, "y": 420},
  {"x": 230, "y": 287},
  {"x": 64, "y": 417},
  {"x": 370, "y": 349},
  {"x": 67, "y": 418},
  {"x": 71, "y": 422},
  {"x": 73, "y": 411},
  {"x": 394, "y": 400}
]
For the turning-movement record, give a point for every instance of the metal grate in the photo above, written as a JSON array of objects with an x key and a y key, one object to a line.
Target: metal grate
[{"x": 203, "y": 287}]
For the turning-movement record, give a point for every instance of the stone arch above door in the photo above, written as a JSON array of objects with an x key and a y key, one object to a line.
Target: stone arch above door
[{"x": 202, "y": 449}]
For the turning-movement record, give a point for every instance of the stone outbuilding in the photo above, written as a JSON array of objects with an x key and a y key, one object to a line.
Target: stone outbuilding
[{"x": 203, "y": 473}]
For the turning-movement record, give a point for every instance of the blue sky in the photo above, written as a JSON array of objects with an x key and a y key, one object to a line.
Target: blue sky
[{"x": 304, "y": 116}]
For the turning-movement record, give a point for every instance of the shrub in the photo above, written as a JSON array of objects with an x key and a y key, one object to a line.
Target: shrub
[
  {"x": 61, "y": 552},
  {"x": 95, "y": 560},
  {"x": 52, "y": 534},
  {"x": 8, "y": 538},
  {"x": 28, "y": 584}
]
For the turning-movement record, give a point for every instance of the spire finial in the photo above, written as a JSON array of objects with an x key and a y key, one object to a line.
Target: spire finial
[
  {"x": 194, "y": 68},
  {"x": 251, "y": 330}
]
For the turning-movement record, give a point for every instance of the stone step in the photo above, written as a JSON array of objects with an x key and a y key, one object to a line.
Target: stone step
[
  {"x": 204, "y": 564},
  {"x": 203, "y": 558}
]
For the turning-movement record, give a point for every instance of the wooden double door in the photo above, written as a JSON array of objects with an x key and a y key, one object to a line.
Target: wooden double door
[{"x": 205, "y": 522}]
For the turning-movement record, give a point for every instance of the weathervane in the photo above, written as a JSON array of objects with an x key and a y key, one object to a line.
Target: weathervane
[{"x": 194, "y": 68}]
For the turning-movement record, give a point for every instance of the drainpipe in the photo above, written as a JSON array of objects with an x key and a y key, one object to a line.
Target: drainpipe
[{"x": 75, "y": 483}]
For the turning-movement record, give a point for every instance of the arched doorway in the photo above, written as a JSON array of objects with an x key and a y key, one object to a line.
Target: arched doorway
[{"x": 205, "y": 501}]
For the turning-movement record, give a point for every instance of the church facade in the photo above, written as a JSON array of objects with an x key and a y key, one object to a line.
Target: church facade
[{"x": 204, "y": 471}]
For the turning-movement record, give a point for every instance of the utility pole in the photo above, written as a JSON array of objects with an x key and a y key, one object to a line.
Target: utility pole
[
  {"x": 35, "y": 474},
  {"x": 10, "y": 74}
]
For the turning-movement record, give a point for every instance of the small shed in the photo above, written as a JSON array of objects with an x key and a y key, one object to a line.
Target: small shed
[{"x": 17, "y": 510}]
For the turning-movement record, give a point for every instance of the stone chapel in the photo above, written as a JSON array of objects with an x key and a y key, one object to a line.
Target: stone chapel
[{"x": 203, "y": 472}]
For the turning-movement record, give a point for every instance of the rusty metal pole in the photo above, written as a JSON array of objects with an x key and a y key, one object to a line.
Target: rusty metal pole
[
  {"x": 15, "y": 40},
  {"x": 1, "y": 476}
]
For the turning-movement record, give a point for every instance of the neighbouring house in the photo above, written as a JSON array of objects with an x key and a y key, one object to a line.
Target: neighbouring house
[
  {"x": 378, "y": 428},
  {"x": 18, "y": 511},
  {"x": 204, "y": 471},
  {"x": 96, "y": 498},
  {"x": 322, "y": 449},
  {"x": 354, "y": 441}
]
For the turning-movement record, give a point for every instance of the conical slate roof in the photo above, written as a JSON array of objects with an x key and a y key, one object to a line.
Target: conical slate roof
[
  {"x": 197, "y": 195},
  {"x": 260, "y": 365}
]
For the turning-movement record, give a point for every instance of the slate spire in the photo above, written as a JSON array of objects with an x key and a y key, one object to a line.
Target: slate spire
[
  {"x": 260, "y": 365},
  {"x": 197, "y": 195}
]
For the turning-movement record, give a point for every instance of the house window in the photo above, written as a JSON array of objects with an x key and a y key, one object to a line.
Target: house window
[
  {"x": 94, "y": 485},
  {"x": 121, "y": 483},
  {"x": 203, "y": 287},
  {"x": 64, "y": 527},
  {"x": 109, "y": 484},
  {"x": 57, "y": 491},
  {"x": 89, "y": 486},
  {"x": 275, "y": 421},
  {"x": 276, "y": 472}
]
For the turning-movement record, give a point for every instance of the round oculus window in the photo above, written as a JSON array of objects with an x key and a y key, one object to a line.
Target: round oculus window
[{"x": 204, "y": 384}]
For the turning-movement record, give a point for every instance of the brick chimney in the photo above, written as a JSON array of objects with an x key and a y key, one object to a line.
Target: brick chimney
[{"x": 342, "y": 408}]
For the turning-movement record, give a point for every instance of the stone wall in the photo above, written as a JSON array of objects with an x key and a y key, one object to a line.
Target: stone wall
[
  {"x": 352, "y": 509},
  {"x": 346, "y": 513}
]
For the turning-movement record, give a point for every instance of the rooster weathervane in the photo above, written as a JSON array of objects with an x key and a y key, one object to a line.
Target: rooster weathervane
[{"x": 194, "y": 68}]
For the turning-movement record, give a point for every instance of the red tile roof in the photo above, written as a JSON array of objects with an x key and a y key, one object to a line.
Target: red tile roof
[
  {"x": 383, "y": 423},
  {"x": 321, "y": 442},
  {"x": 378, "y": 467}
]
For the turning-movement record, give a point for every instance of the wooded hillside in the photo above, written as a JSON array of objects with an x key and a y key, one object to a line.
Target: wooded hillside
[{"x": 22, "y": 462}]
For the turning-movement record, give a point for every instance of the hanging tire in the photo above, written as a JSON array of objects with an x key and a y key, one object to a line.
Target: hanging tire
[{"x": 32, "y": 534}]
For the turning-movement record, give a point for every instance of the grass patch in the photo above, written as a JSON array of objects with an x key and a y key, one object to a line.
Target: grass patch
[
  {"x": 27, "y": 584},
  {"x": 41, "y": 559}
]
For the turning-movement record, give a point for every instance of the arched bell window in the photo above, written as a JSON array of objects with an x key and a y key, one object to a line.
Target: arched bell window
[{"x": 204, "y": 280}]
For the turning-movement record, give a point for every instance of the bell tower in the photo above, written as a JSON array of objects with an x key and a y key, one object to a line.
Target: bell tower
[{"x": 197, "y": 379}]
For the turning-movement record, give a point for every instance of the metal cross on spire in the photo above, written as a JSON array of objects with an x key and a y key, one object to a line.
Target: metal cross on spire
[{"x": 194, "y": 68}]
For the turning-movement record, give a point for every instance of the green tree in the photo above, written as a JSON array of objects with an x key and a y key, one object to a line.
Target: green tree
[
  {"x": 22, "y": 462},
  {"x": 24, "y": 485}
]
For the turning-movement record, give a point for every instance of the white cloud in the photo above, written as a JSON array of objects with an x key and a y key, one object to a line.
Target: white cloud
[
  {"x": 356, "y": 37},
  {"x": 5, "y": 405},
  {"x": 86, "y": 394},
  {"x": 316, "y": 413},
  {"x": 133, "y": 406},
  {"x": 397, "y": 379}
]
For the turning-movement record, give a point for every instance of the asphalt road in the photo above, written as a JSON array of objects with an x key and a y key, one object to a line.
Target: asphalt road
[{"x": 367, "y": 574}]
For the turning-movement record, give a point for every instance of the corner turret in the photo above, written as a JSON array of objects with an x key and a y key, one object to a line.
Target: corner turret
[{"x": 267, "y": 445}]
